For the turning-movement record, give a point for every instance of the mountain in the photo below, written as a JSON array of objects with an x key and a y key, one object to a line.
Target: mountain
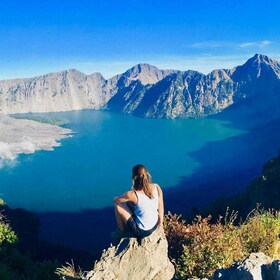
[
  {"x": 70, "y": 90},
  {"x": 146, "y": 91},
  {"x": 62, "y": 91},
  {"x": 189, "y": 94}
]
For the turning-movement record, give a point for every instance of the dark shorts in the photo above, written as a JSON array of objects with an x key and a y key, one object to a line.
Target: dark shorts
[{"x": 133, "y": 228}]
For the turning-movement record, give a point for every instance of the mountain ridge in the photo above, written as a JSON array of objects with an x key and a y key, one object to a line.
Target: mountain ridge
[{"x": 147, "y": 91}]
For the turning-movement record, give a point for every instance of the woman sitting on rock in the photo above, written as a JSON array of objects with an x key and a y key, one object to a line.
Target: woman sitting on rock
[{"x": 139, "y": 211}]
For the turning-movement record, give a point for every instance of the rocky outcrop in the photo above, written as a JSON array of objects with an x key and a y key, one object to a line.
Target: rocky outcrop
[
  {"x": 256, "y": 267},
  {"x": 144, "y": 259}
]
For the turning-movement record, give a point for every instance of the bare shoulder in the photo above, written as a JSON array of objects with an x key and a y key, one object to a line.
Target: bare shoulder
[
  {"x": 130, "y": 193},
  {"x": 158, "y": 189},
  {"x": 132, "y": 196}
]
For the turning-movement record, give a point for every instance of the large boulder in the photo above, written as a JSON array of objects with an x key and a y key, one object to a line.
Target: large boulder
[
  {"x": 256, "y": 267},
  {"x": 144, "y": 259}
]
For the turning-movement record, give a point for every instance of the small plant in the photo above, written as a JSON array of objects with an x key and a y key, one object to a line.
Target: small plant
[
  {"x": 7, "y": 235},
  {"x": 69, "y": 271},
  {"x": 2, "y": 202}
]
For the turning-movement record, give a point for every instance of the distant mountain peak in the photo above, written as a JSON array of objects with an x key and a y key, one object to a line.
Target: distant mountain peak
[
  {"x": 146, "y": 73},
  {"x": 140, "y": 67},
  {"x": 257, "y": 66},
  {"x": 258, "y": 59}
]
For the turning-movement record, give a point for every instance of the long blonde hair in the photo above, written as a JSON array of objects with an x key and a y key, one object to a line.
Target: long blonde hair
[{"x": 141, "y": 180}]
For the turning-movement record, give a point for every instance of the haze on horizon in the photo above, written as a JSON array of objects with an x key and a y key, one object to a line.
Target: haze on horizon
[{"x": 111, "y": 36}]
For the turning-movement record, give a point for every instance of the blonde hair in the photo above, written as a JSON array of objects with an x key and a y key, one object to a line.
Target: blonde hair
[{"x": 141, "y": 180}]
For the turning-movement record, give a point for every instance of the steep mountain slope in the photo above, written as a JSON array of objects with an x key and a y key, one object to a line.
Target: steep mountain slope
[
  {"x": 255, "y": 85},
  {"x": 265, "y": 190},
  {"x": 70, "y": 90},
  {"x": 147, "y": 91},
  {"x": 258, "y": 83},
  {"x": 62, "y": 91},
  {"x": 188, "y": 94}
]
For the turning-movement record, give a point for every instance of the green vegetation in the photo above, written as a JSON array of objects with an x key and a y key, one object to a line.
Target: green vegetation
[
  {"x": 7, "y": 235},
  {"x": 15, "y": 265},
  {"x": 198, "y": 249},
  {"x": 42, "y": 119},
  {"x": 23, "y": 256}
]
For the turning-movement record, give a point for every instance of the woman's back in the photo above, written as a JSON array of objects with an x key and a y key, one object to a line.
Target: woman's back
[{"x": 146, "y": 209}]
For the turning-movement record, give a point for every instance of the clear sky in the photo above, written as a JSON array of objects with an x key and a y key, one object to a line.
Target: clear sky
[{"x": 110, "y": 36}]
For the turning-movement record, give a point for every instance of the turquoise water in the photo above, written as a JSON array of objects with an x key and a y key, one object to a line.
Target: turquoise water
[{"x": 93, "y": 166}]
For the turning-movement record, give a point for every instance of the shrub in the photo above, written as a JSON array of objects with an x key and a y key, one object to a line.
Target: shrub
[
  {"x": 260, "y": 233},
  {"x": 198, "y": 249},
  {"x": 7, "y": 235},
  {"x": 176, "y": 231}
]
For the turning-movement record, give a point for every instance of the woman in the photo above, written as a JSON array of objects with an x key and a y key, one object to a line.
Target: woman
[{"x": 139, "y": 211}]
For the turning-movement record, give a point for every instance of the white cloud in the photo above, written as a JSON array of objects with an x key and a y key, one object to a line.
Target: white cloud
[
  {"x": 260, "y": 44},
  {"x": 206, "y": 45}
]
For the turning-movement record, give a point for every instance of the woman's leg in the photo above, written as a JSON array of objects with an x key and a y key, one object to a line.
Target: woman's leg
[{"x": 123, "y": 213}]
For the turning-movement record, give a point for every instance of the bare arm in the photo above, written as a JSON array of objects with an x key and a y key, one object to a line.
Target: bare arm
[
  {"x": 160, "y": 205},
  {"x": 125, "y": 197}
]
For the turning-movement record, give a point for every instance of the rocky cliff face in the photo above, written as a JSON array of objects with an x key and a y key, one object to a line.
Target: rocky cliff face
[
  {"x": 190, "y": 94},
  {"x": 132, "y": 259},
  {"x": 147, "y": 91},
  {"x": 70, "y": 90},
  {"x": 63, "y": 91}
]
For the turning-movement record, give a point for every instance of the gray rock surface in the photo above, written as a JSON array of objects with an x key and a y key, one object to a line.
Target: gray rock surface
[
  {"x": 70, "y": 90},
  {"x": 144, "y": 260},
  {"x": 146, "y": 91},
  {"x": 256, "y": 267},
  {"x": 27, "y": 136},
  {"x": 190, "y": 94}
]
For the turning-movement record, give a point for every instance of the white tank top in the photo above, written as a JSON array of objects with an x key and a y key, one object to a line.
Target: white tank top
[{"x": 146, "y": 210}]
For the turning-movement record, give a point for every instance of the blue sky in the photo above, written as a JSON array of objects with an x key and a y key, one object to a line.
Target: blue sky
[{"x": 111, "y": 36}]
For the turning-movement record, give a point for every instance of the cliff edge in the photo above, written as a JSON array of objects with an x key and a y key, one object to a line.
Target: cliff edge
[{"x": 144, "y": 259}]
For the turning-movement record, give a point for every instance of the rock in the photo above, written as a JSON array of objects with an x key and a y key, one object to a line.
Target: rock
[
  {"x": 255, "y": 267},
  {"x": 144, "y": 259}
]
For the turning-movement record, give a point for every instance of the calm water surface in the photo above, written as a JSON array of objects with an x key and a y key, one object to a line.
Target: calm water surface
[{"x": 93, "y": 166}]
